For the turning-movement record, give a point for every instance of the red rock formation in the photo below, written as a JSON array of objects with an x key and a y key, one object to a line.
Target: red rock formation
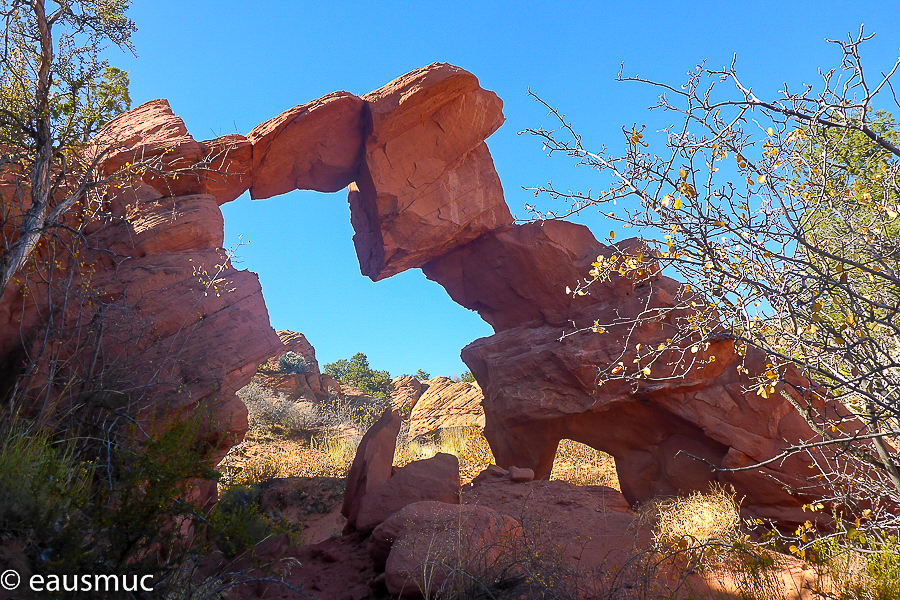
[
  {"x": 445, "y": 404},
  {"x": 427, "y": 542},
  {"x": 311, "y": 384},
  {"x": 425, "y": 195},
  {"x": 180, "y": 326},
  {"x": 373, "y": 464},
  {"x": 427, "y": 183},
  {"x": 407, "y": 390},
  {"x": 435, "y": 479},
  {"x": 540, "y": 389},
  {"x": 376, "y": 490},
  {"x": 314, "y": 146}
]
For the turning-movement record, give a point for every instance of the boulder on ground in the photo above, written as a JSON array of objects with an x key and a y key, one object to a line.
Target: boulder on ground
[
  {"x": 423, "y": 544},
  {"x": 436, "y": 478}
]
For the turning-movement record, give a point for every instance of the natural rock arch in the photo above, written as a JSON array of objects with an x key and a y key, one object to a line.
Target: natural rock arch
[{"x": 424, "y": 194}]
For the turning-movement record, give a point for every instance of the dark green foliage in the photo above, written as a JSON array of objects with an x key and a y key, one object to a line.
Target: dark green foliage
[
  {"x": 291, "y": 362},
  {"x": 467, "y": 377},
  {"x": 102, "y": 505},
  {"x": 357, "y": 372},
  {"x": 421, "y": 375},
  {"x": 236, "y": 520}
]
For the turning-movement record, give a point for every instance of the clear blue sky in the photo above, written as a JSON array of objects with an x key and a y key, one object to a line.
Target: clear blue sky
[{"x": 227, "y": 66}]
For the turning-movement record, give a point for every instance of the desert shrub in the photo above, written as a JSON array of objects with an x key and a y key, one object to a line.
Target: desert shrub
[
  {"x": 698, "y": 528},
  {"x": 421, "y": 375},
  {"x": 351, "y": 412},
  {"x": 42, "y": 483},
  {"x": 861, "y": 560},
  {"x": 109, "y": 504},
  {"x": 466, "y": 377},
  {"x": 357, "y": 371},
  {"x": 291, "y": 362},
  {"x": 699, "y": 517},
  {"x": 236, "y": 522},
  {"x": 254, "y": 392}
]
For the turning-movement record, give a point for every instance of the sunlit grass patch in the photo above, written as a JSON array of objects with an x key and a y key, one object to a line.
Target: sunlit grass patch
[
  {"x": 468, "y": 444},
  {"x": 264, "y": 461},
  {"x": 582, "y": 465}
]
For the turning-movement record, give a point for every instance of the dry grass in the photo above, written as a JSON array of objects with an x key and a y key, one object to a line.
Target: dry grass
[
  {"x": 468, "y": 444},
  {"x": 582, "y": 465},
  {"x": 699, "y": 518},
  {"x": 299, "y": 439},
  {"x": 257, "y": 462}
]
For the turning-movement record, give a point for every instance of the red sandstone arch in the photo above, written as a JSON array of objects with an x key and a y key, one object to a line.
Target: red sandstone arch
[{"x": 424, "y": 194}]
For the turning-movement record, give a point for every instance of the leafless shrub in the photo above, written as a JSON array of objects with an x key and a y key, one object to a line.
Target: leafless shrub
[{"x": 781, "y": 217}]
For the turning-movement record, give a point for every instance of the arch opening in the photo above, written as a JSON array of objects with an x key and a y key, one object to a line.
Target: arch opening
[{"x": 583, "y": 465}]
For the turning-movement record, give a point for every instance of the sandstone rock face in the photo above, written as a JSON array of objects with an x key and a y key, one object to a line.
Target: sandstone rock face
[
  {"x": 436, "y": 478},
  {"x": 444, "y": 405},
  {"x": 424, "y": 195},
  {"x": 427, "y": 182},
  {"x": 516, "y": 276},
  {"x": 426, "y": 542},
  {"x": 376, "y": 490},
  {"x": 314, "y": 146},
  {"x": 312, "y": 384},
  {"x": 540, "y": 389},
  {"x": 179, "y": 324},
  {"x": 373, "y": 464},
  {"x": 407, "y": 390}
]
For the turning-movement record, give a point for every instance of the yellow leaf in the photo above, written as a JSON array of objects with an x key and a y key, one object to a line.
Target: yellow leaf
[
  {"x": 682, "y": 173},
  {"x": 612, "y": 235},
  {"x": 770, "y": 131},
  {"x": 646, "y": 370},
  {"x": 677, "y": 204},
  {"x": 761, "y": 179}
]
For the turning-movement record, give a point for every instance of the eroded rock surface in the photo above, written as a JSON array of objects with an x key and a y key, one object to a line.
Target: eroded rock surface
[
  {"x": 427, "y": 182},
  {"x": 426, "y": 542},
  {"x": 446, "y": 404},
  {"x": 311, "y": 384},
  {"x": 435, "y": 479},
  {"x": 373, "y": 464}
]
